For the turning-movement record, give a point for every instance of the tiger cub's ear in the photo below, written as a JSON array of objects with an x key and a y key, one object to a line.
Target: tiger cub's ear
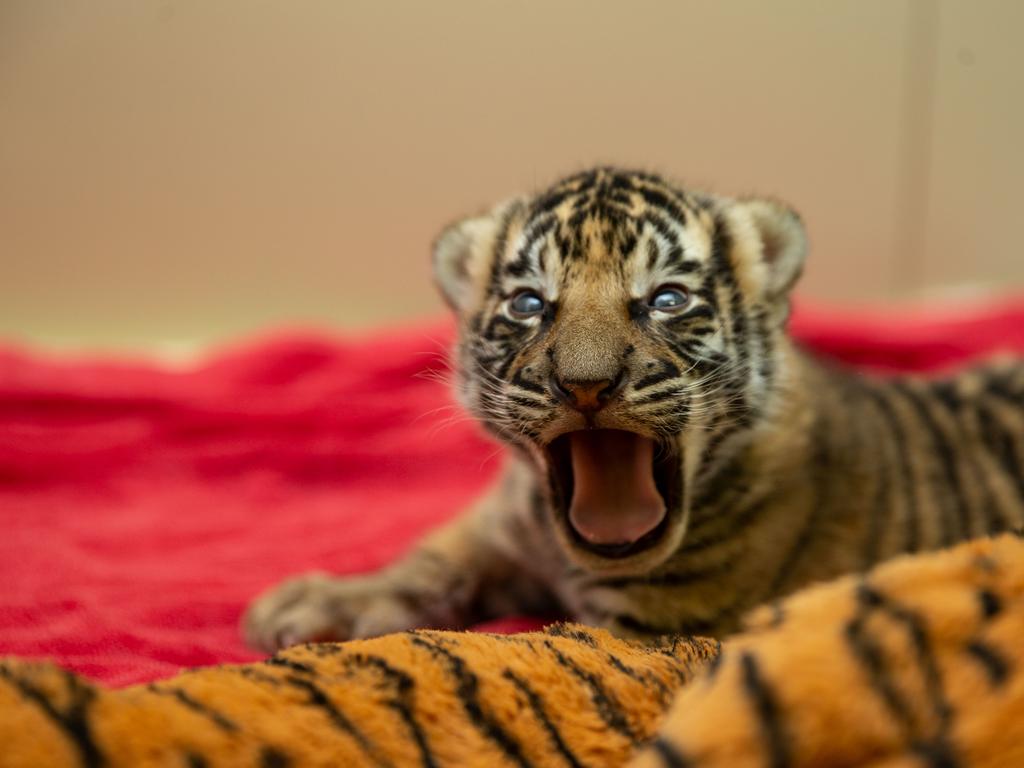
[
  {"x": 783, "y": 243},
  {"x": 462, "y": 252}
]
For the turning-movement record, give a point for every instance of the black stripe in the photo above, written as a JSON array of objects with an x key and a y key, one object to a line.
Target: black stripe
[
  {"x": 681, "y": 265},
  {"x": 880, "y": 503},
  {"x": 579, "y": 635},
  {"x": 685, "y": 319},
  {"x": 990, "y": 603},
  {"x": 271, "y": 757},
  {"x": 954, "y": 505},
  {"x": 605, "y": 702},
  {"x": 255, "y": 676},
  {"x": 645, "y": 678},
  {"x": 912, "y": 535},
  {"x": 683, "y": 674},
  {"x": 766, "y": 336},
  {"x": 507, "y": 361},
  {"x": 537, "y": 707},
  {"x": 317, "y": 698},
  {"x": 621, "y": 181},
  {"x": 736, "y": 519},
  {"x": 716, "y": 661},
  {"x": 550, "y": 200},
  {"x": 652, "y": 253},
  {"x": 667, "y": 419},
  {"x": 703, "y": 650},
  {"x": 935, "y": 754},
  {"x": 948, "y": 399},
  {"x": 724, "y": 275},
  {"x": 536, "y": 229},
  {"x": 627, "y": 243},
  {"x": 666, "y": 369},
  {"x": 699, "y": 649},
  {"x": 670, "y": 756},
  {"x": 571, "y": 632},
  {"x": 529, "y": 386},
  {"x": 699, "y": 364},
  {"x": 296, "y": 666},
  {"x": 708, "y": 292},
  {"x": 919, "y": 636},
  {"x": 1001, "y": 385},
  {"x": 542, "y": 258},
  {"x": 766, "y": 707},
  {"x": 522, "y": 264},
  {"x": 500, "y": 328},
  {"x": 718, "y": 494},
  {"x": 403, "y": 702},
  {"x": 698, "y": 348},
  {"x": 685, "y": 576},
  {"x": 658, "y": 199},
  {"x": 525, "y": 402},
  {"x": 500, "y": 243},
  {"x": 672, "y": 392},
  {"x": 467, "y": 689},
  {"x": 74, "y": 720},
  {"x": 820, "y": 503},
  {"x": 996, "y": 666},
  {"x": 868, "y": 651},
  {"x": 703, "y": 330},
  {"x": 1003, "y": 446},
  {"x": 661, "y": 225},
  {"x": 717, "y": 462},
  {"x": 519, "y": 268},
  {"x": 221, "y": 721}
]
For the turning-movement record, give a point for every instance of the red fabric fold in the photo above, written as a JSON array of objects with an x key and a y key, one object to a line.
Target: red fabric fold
[{"x": 141, "y": 506}]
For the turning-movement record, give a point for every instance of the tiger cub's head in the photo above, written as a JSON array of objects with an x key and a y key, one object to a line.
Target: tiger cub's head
[{"x": 620, "y": 331}]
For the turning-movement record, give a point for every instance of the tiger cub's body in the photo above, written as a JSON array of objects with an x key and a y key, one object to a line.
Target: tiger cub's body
[{"x": 675, "y": 458}]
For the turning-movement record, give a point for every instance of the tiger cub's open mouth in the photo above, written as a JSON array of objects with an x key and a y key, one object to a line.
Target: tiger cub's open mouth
[{"x": 616, "y": 489}]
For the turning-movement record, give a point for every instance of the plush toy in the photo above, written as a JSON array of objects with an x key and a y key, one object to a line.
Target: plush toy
[{"x": 916, "y": 664}]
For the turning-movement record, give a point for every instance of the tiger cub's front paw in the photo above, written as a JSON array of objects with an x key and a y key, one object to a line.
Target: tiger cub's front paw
[{"x": 317, "y": 607}]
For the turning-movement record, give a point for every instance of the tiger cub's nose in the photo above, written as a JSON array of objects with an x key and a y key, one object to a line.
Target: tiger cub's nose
[{"x": 586, "y": 396}]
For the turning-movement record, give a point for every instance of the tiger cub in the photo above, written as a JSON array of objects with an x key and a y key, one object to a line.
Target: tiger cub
[{"x": 675, "y": 459}]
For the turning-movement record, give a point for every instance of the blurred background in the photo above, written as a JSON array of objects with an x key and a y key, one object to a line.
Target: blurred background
[{"x": 175, "y": 172}]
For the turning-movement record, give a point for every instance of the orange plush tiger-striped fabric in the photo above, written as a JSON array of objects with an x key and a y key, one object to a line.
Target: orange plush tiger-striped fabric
[
  {"x": 916, "y": 664},
  {"x": 564, "y": 696}
]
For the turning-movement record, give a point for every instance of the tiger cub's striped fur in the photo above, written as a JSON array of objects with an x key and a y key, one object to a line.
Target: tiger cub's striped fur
[{"x": 675, "y": 459}]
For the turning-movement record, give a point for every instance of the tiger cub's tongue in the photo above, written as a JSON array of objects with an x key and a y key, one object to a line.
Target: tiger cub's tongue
[{"x": 614, "y": 498}]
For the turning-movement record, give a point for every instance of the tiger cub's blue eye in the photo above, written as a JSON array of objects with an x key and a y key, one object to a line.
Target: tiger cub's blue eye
[
  {"x": 526, "y": 303},
  {"x": 669, "y": 297}
]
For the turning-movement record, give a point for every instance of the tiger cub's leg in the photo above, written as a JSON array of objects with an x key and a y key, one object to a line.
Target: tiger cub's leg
[{"x": 461, "y": 574}]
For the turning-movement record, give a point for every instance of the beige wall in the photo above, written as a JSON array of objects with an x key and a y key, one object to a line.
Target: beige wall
[{"x": 183, "y": 170}]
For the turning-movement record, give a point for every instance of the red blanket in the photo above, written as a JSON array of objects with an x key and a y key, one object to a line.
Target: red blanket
[{"x": 142, "y": 507}]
